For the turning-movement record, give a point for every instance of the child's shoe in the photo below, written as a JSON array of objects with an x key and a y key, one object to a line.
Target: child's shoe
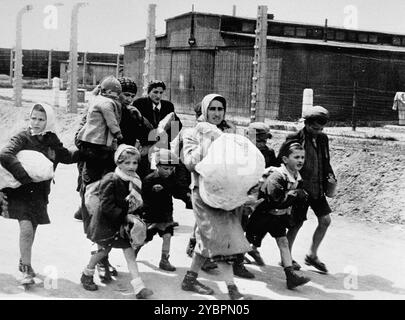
[
  {"x": 27, "y": 277},
  {"x": 88, "y": 282},
  {"x": 234, "y": 293},
  {"x": 30, "y": 270},
  {"x": 190, "y": 283},
  {"x": 164, "y": 263},
  {"x": 144, "y": 293},
  {"x": 139, "y": 288},
  {"x": 293, "y": 279}
]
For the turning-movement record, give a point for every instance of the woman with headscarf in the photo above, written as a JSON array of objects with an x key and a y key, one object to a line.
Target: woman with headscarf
[
  {"x": 219, "y": 233},
  {"x": 28, "y": 203}
]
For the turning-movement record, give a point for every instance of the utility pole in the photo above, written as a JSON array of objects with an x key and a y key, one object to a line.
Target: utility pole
[
  {"x": 258, "y": 101},
  {"x": 150, "y": 48},
  {"x": 354, "y": 105},
  {"x": 72, "y": 71},
  {"x": 17, "y": 83}
]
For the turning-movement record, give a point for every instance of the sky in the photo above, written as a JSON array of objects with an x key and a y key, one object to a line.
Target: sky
[{"x": 105, "y": 25}]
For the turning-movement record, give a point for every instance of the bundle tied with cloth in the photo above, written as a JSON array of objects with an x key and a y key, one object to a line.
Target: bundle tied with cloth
[{"x": 231, "y": 166}]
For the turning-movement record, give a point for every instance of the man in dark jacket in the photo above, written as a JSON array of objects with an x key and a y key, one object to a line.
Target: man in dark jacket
[
  {"x": 315, "y": 173},
  {"x": 155, "y": 109}
]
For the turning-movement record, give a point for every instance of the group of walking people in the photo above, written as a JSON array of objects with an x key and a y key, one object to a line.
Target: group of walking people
[{"x": 132, "y": 160}]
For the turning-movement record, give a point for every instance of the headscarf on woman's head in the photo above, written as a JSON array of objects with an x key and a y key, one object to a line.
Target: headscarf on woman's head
[
  {"x": 124, "y": 147},
  {"x": 206, "y": 102},
  {"x": 50, "y": 118}
]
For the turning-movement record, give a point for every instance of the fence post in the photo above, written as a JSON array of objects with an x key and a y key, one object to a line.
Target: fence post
[
  {"x": 258, "y": 102},
  {"x": 56, "y": 90},
  {"x": 354, "y": 105},
  {"x": 17, "y": 83},
  {"x": 84, "y": 70},
  {"x": 71, "y": 93},
  {"x": 307, "y": 101},
  {"x": 150, "y": 47},
  {"x": 117, "y": 70},
  {"x": 11, "y": 65},
  {"x": 49, "y": 67}
]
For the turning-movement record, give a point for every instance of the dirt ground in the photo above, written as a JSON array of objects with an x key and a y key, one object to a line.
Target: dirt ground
[{"x": 363, "y": 247}]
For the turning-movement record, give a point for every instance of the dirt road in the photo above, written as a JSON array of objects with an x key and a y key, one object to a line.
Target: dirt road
[{"x": 366, "y": 260}]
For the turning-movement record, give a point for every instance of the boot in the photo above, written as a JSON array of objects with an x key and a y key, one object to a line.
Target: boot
[
  {"x": 294, "y": 279},
  {"x": 27, "y": 278},
  {"x": 234, "y": 293},
  {"x": 240, "y": 270},
  {"x": 78, "y": 214},
  {"x": 139, "y": 288},
  {"x": 255, "y": 254},
  {"x": 30, "y": 270},
  {"x": 88, "y": 282},
  {"x": 190, "y": 283},
  {"x": 209, "y": 265},
  {"x": 164, "y": 263},
  {"x": 190, "y": 247}
]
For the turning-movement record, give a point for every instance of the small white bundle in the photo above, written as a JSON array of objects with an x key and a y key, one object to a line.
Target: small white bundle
[{"x": 38, "y": 167}]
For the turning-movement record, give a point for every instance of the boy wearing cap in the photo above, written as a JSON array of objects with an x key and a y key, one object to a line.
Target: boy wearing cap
[
  {"x": 315, "y": 173},
  {"x": 158, "y": 190},
  {"x": 258, "y": 133}
]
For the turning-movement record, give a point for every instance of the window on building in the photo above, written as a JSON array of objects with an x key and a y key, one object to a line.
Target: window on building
[
  {"x": 289, "y": 31},
  {"x": 340, "y": 35},
  {"x": 330, "y": 34},
  {"x": 301, "y": 32},
  {"x": 372, "y": 38},
  {"x": 396, "y": 41},
  {"x": 317, "y": 33},
  {"x": 352, "y": 36},
  {"x": 403, "y": 41},
  {"x": 275, "y": 30},
  {"x": 248, "y": 27},
  {"x": 363, "y": 37}
]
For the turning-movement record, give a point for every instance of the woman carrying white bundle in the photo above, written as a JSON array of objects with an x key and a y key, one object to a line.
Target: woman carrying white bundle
[
  {"x": 28, "y": 203},
  {"x": 219, "y": 233}
]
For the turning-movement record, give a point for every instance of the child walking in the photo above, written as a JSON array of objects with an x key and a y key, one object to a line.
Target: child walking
[
  {"x": 280, "y": 190},
  {"x": 120, "y": 197},
  {"x": 159, "y": 188},
  {"x": 28, "y": 203}
]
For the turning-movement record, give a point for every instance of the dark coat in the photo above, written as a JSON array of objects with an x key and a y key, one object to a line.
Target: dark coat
[
  {"x": 145, "y": 106},
  {"x": 323, "y": 144},
  {"x": 105, "y": 224},
  {"x": 30, "y": 200},
  {"x": 158, "y": 206},
  {"x": 133, "y": 128}
]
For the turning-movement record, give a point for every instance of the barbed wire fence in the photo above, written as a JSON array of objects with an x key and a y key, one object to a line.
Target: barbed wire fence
[{"x": 356, "y": 89}]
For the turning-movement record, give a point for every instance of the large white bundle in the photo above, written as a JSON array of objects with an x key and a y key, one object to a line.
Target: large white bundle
[
  {"x": 38, "y": 167},
  {"x": 231, "y": 167}
]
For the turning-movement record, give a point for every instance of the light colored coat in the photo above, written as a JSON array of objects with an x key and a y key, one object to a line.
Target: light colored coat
[{"x": 102, "y": 124}]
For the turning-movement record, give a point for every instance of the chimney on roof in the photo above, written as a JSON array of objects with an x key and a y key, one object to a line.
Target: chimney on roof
[
  {"x": 234, "y": 10},
  {"x": 270, "y": 16}
]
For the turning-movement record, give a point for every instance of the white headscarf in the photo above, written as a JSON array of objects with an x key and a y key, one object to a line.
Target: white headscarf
[
  {"x": 50, "y": 119},
  {"x": 206, "y": 102}
]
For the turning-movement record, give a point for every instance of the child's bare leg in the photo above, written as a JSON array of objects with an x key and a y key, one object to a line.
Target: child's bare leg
[
  {"x": 164, "y": 261},
  {"x": 227, "y": 274},
  {"x": 136, "y": 282},
  {"x": 130, "y": 257},
  {"x": 97, "y": 256},
  {"x": 285, "y": 254},
  {"x": 27, "y": 235}
]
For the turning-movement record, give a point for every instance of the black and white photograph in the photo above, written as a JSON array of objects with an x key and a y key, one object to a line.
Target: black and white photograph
[{"x": 190, "y": 154}]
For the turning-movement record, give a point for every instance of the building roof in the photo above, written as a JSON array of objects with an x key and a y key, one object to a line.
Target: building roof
[
  {"x": 95, "y": 63},
  {"x": 320, "y": 42},
  {"x": 137, "y": 41}
]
